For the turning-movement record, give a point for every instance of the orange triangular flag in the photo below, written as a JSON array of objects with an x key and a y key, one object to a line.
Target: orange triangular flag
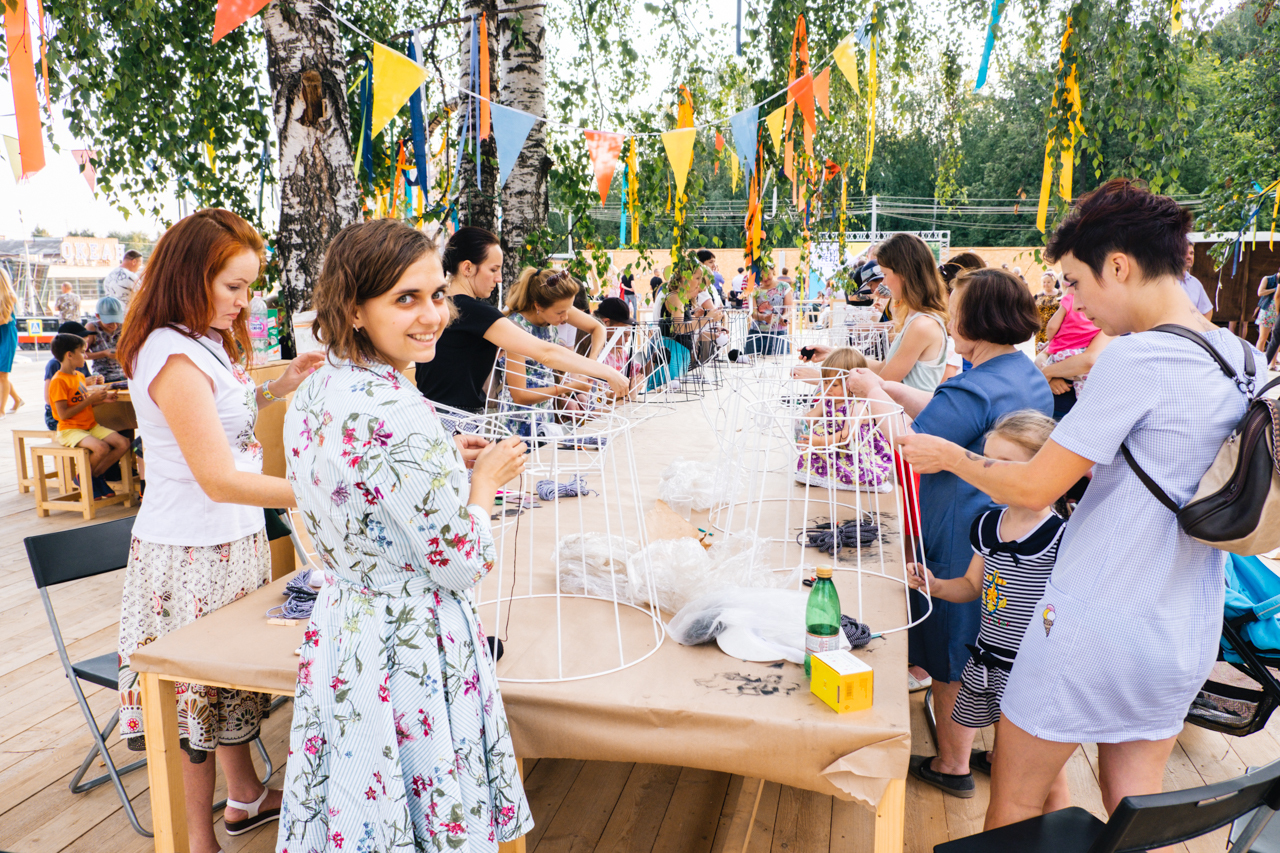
[
  {"x": 484, "y": 78},
  {"x": 801, "y": 92},
  {"x": 604, "y": 148},
  {"x": 822, "y": 90},
  {"x": 719, "y": 141},
  {"x": 233, "y": 13}
]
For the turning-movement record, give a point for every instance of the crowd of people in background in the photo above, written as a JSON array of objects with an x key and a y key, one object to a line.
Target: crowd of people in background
[{"x": 1013, "y": 402}]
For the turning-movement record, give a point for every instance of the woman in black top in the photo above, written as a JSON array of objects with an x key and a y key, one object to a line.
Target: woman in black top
[{"x": 468, "y": 347}]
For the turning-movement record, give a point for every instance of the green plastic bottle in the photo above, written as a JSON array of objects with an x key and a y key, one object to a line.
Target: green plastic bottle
[{"x": 821, "y": 617}]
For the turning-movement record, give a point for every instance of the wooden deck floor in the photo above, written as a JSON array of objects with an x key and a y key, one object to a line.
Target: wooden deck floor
[{"x": 578, "y": 806}]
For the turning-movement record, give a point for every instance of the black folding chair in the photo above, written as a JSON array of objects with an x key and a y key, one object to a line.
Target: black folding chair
[
  {"x": 1139, "y": 823},
  {"x": 71, "y": 555}
]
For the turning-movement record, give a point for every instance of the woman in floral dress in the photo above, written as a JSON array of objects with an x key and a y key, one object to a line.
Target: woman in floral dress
[{"x": 399, "y": 739}]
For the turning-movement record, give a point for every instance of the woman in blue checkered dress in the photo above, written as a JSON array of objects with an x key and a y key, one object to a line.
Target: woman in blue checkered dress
[{"x": 1129, "y": 624}]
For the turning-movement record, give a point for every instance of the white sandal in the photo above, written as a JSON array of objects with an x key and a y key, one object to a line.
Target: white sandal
[
  {"x": 913, "y": 685},
  {"x": 255, "y": 818}
]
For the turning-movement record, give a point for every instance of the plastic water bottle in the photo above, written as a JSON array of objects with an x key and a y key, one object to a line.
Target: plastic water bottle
[
  {"x": 259, "y": 335},
  {"x": 821, "y": 617}
]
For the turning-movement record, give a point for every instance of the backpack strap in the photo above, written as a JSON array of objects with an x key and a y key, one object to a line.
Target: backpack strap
[
  {"x": 1151, "y": 484},
  {"x": 1250, "y": 369},
  {"x": 1245, "y": 386}
]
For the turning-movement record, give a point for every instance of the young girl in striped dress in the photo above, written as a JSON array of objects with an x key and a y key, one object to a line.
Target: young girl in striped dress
[{"x": 1014, "y": 550}]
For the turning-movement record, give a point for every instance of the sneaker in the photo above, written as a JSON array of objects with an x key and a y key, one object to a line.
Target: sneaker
[
  {"x": 101, "y": 490},
  {"x": 915, "y": 685}
]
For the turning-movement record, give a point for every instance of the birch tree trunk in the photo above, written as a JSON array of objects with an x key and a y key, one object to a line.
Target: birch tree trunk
[
  {"x": 524, "y": 196},
  {"x": 478, "y": 202},
  {"x": 318, "y": 191}
]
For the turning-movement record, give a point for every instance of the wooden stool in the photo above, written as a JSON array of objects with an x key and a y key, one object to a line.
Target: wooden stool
[
  {"x": 26, "y": 481},
  {"x": 77, "y": 458}
]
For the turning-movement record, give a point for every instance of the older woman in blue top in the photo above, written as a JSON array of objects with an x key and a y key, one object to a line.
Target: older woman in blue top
[
  {"x": 990, "y": 312},
  {"x": 1125, "y": 571}
]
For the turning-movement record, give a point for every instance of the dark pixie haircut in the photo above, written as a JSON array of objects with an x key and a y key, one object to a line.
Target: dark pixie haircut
[
  {"x": 656, "y": 281},
  {"x": 363, "y": 262},
  {"x": 705, "y": 255},
  {"x": 63, "y": 344},
  {"x": 467, "y": 244},
  {"x": 1124, "y": 216},
  {"x": 994, "y": 306}
]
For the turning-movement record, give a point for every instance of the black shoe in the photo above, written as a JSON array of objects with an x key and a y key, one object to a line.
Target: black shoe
[
  {"x": 980, "y": 760},
  {"x": 956, "y": 786}
]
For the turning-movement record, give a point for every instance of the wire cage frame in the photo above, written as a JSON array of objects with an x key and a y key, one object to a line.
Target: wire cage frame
[
  {"x": 567, "y": 594},
  {"x": 821, "y": 485}
]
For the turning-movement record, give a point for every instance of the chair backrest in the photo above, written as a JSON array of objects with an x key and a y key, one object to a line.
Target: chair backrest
[
  {"x": 1158, "y": 820},
  {"x": 80, "y": 552}
]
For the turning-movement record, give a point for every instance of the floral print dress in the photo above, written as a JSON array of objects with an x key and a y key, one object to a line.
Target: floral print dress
[
  {"x": 400, "y": 740},
  {"x": 864, "y": 460}
]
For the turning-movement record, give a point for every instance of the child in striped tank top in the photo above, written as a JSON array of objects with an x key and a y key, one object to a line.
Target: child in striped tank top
[{"x": 1014, "y": 549}]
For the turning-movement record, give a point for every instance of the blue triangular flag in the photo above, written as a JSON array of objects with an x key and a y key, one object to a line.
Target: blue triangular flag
[
  {"x": 510, "y": 130},
  {"x": 996, "y": 7},
  {"x": 744, "y": 137},
  {"x": 863, "y": 36}
]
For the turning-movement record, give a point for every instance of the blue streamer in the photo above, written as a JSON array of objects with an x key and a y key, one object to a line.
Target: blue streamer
[
  {"x": 418, "y": 130},
  {"x": 366, "y": 123},
  {"x": 997, "y": 6}
]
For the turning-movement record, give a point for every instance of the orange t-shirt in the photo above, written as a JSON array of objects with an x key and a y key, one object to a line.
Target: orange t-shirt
[{"x": 69, "y": 387}]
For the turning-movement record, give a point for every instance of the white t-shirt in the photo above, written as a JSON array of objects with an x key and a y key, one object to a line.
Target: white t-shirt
[
  {"x": 120, "y": 283},
  {"x": 176, "y": 510},
  {"x": 735, "y": 286}
]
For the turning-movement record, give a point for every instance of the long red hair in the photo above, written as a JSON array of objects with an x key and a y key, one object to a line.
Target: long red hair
[{"x": 176, "y": 289}]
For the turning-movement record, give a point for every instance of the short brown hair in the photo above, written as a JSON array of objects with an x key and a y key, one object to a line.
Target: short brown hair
[
  {"x": 363, "y": 262},
  {"x": 1124, "y": 216},
  {"x": 994, "y": 306},
  {"x": 176, "y": 291}
]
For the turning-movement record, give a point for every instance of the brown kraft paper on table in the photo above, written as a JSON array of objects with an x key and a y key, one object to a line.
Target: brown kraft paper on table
[{"x": 682, "y": 706}]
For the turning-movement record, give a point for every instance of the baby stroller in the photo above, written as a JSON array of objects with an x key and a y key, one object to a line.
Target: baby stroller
[{"x": 1250, "y": 643}]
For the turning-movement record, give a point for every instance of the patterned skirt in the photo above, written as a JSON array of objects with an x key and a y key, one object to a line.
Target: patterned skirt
[{"x": 167, "y": 587}]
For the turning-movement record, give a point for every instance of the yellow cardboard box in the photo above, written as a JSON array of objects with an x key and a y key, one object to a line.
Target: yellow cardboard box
[{"x": 841, "y": 680}]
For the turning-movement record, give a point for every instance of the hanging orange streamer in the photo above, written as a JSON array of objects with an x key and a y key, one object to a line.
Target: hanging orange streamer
[
  {"x": 484, "y": 78},
  {"x": 26, "y": 98}
]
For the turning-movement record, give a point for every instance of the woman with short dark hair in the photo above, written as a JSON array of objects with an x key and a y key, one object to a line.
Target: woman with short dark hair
[
  {"x": 1132, "y": 615},
  {"x": 399, "y": 735},
  {"x": 991, "y": 312}
]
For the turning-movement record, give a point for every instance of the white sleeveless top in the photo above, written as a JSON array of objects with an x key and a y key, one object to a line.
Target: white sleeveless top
[
  {"x": 176, "y": 511},
  {"x": 923, "y": 375}
]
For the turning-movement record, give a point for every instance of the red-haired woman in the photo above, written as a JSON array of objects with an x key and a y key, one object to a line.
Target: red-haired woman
[{"x": 199, "y": 540}]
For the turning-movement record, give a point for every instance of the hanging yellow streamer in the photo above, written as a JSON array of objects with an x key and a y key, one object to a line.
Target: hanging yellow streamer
[
  {"x": 733, "y": 169},
  {"x": 1176, "y": 15},
  {"x": 871, "y": 105},
  {"x": 1046, "y": 185},
  {"x": 844, "y": 204},
  {"x": 1070, "y": 99}
]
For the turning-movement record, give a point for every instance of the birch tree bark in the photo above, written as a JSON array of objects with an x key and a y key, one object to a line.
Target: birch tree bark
[
  {"x": 524, "y": 196},
  {"x": 318, "y": 191},
  {"x": 478, "y": 202}
]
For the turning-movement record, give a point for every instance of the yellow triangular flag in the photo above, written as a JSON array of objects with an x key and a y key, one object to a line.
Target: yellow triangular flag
[
  {"x": 395, "y": 78},
  {"x": 15, "y": 158},
  {"x": 774, "y": 123},
  {"x": 847, "y": 60},
  {"x": 679, "y": 145},
  {"x": 1176, "y": 15}
]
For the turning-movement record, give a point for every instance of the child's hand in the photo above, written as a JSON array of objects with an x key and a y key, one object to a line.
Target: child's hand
[{"x": 918, "y": 576}]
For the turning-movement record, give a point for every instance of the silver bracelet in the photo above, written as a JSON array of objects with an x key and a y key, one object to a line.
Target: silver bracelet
[{"x": 266, "y": 393}]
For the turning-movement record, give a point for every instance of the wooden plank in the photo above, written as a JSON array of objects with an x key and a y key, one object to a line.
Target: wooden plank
[
  {"x": 164, "y": 764},
  {"x": 738, "y": 816},
  {"x": 853, "y": 827},
  {"x": 1083, "y": 784},
  {"x": 582, "y": 819},
  {"x": 636, "y": 818},
  {"x": 761, "y": 840},
  {"x": 804, "y": 822},
  {"x": 545, "y": 788},
  {"x": 689, "y": 825},
  {"x": 891, "y": 817}
]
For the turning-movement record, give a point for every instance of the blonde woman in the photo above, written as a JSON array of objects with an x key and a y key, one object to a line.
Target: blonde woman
[{"x": 8, "y": 340}]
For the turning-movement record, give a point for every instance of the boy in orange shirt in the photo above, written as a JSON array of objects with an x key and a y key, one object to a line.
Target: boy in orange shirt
[{"x": 72, "y": 401}]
